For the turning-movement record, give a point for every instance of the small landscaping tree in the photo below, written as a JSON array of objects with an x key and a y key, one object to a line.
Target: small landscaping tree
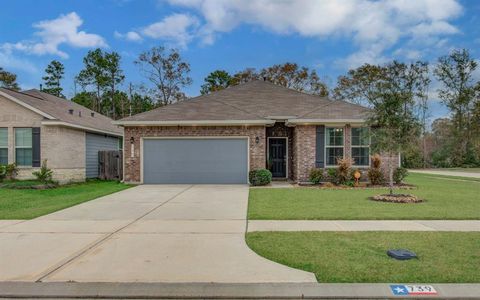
[{"x": 393, "y": 117}]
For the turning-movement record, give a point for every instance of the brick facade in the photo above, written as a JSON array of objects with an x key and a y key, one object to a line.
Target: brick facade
[
  {"x": 304, "y": 145},
  {"x": 132, "y": 162}
]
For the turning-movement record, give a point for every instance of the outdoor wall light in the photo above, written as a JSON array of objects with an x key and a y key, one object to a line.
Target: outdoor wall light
[
  {"x": 257, "y": 140},
  {"x": 132, "y": 140}
]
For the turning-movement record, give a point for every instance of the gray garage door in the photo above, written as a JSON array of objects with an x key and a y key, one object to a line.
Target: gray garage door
[{"x": 195, "y": 161}]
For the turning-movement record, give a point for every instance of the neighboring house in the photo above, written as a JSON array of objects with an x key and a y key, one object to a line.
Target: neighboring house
[
  {"x": 35, "y": 126},
  {"x": 219, "y": 137}
]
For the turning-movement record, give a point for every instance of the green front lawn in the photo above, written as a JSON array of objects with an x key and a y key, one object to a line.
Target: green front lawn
[
  {"x": 361, "y": 256},
  {"x": 29, "y": 204},
  {"x": 446, "y": 198}
]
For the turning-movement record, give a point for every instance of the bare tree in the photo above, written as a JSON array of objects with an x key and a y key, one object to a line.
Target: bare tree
[{"x": 167, "y": 71}]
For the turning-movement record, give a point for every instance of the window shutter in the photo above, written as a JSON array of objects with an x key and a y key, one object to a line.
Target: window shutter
[
  {"x": 36, "y": 161},
  {"x": 320, "y": 147}
]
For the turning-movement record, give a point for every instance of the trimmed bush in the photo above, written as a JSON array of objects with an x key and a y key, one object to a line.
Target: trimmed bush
[
  {"x": 399, "y": 174},
  {"x": 260, "y": 177},
  {"x": 316, "y": 175}
]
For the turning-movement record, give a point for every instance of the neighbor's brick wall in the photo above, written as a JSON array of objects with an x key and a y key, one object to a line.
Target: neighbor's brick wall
[
  {"x": 304, "y": 145},
  {"x": 132, "y": 162}
]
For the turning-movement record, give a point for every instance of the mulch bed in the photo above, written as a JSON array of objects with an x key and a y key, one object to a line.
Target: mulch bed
[
  {"x": 397, "y": 198},
  {"x": 30, "y": 187},
  {"x": 361, "y": 186}
]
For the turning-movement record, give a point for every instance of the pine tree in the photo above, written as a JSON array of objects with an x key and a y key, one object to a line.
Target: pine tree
[{"x": 53, "y": 74}]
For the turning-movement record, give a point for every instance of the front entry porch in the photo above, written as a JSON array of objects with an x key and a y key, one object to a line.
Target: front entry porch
[
  {"x": 277, "y": 156},
  {"x": 279, "y": 151}
]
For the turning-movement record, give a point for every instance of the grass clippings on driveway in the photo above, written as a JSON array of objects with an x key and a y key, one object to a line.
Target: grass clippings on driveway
[
  {"x": 29, "y": 204},
  {"x": 444, "y": 257},
  {"x": 444, "y": 199}
]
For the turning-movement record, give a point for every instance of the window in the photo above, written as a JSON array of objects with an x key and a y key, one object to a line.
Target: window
[
  {"x": 23, "y": 146},
  {"x": 3, "y": 146},
  {"x": 361, "y": 146},
  {"x": 333, "y": 145},
  {"x": 120, "y": 143}
]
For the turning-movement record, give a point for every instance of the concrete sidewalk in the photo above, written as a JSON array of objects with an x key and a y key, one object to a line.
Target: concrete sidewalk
[
  {"x": 446, "y": 173},
  {"x": 380, "y": 225},
  {"x": 225, "y": 291}
]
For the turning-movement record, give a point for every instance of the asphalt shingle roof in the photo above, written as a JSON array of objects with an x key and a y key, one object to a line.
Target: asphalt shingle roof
[
  {"x": 255, "y": 100},
  {"x": 59, "y": 108}
]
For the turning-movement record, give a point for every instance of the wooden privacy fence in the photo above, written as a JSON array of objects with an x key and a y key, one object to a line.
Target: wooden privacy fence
[{"x": 110, "y": 165}]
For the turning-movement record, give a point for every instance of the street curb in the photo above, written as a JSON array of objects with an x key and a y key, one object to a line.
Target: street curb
[{"x": 73, "y": 290}]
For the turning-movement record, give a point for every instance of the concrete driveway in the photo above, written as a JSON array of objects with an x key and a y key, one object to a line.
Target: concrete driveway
[{"x": 150, "y": 233}]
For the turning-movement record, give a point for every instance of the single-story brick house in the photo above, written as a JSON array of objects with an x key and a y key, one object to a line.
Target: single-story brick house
[
  {"x": 219, "y": 137},
  {"x": 35, "y": 126}
]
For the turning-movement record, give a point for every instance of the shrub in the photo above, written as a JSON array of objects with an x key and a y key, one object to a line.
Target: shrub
[
  {"x": 376, "y": 161},
  {"x": 399, "y": 174},
  {"x": 343, "y": 170},
  {"x": 316, "y": 175},
  {"x": 12, "y": 171},
  {"x": 350, "y": 183},
  {"x": 44, "y": 174},
  {"x": 332, "y": 175},
  {"x": 260, "y": 177},
  {"x": 375, "y": 174},
  {"x": 3, "y": 172}
]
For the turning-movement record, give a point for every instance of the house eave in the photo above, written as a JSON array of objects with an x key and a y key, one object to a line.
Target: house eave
[
  {"x": 195, "y": 123},
  {"x": 66, "y": 124},
  {"x": 294, "y": 122}
]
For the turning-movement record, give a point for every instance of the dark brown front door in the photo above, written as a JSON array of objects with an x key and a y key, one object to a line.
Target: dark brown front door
[{"x": 277, "y": 154}]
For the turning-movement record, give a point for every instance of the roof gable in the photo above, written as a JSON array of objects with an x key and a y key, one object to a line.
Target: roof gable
[
  {"x": 57, "y": 110},
  {"x": 255, "y": 100}
]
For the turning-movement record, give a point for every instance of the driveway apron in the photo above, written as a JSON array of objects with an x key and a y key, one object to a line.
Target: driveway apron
[{"x": 150, "y": 233}]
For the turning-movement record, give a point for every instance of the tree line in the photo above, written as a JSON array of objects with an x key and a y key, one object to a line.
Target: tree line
[{"x": 397, "y": 92}]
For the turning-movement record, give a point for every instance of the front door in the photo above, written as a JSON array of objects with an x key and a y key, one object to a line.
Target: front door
[{"x": 277, "y": 157}]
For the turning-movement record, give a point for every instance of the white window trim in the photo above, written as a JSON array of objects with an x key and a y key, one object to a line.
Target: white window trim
[
  {"x": 326, "y": 146},
  {"x": 15, "y": 147},
  {"x": 357, "y": 146}
]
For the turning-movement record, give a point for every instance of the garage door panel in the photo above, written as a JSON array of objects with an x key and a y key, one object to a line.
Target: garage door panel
[{"x": 195, "y": 161}]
